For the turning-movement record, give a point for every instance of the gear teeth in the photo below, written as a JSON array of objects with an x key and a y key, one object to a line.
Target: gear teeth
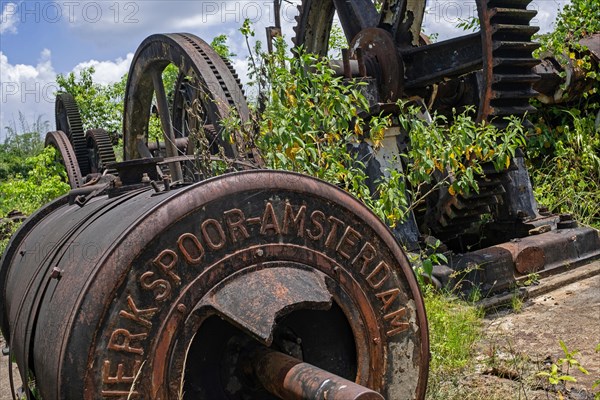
[
  {"x": 234, "y": 74},
  {"x": 296, "y": 27},
  {"x": 516, "y": 4},
  {"x": 313, "y": 26},
  {"x": 512, "y": 15},
  {"x": 230, "y": 100},
  {"x": 460, "y": 214},
  {"x": 512, "y": 62},
  {"x": 516, "y": 78},
  {"x": 99, "y": 141},
  {"x": 66, "y": 110},
  {"x": 60, "y": 141}
]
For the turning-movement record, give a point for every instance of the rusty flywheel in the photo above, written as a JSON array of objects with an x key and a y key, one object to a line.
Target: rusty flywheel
[{"x": 191, "y": 113}]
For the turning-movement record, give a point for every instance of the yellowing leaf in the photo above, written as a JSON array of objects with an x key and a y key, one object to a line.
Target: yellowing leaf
[
  {"x": 507, "y": 162},
  {"x": 572, "y": 55},
  {"x": 452, "y": 191},
  {"x": 358, "y": 129},
  {"x": 291, "y": 152}
]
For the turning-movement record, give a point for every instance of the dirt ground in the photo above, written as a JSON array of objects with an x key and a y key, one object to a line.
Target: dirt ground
[{"x": 517, "y": 345}]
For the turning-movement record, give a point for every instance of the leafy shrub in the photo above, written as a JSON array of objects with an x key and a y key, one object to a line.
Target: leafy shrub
[
  {"x": 567, "y": 174},
  {"x": 45, "y": 181},
  {"x": 309, "y": 120},
  {"x": 574, "y": 22}
]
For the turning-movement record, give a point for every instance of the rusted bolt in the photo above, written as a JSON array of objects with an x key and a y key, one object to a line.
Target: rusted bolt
[
  {"x": 181, "y": 308},
  {"x": 260, "y": 252},
  {"x": 376, "y": 340},
  {"x": 566, "y": 217},
  {"x": 56, "y": 273},
  {"x": 167, "y": 182},
  {"x": 155, "y": 186},
  {"x": 566, "y": 221}
]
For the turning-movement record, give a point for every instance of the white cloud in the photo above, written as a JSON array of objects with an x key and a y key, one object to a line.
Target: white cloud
[
  {"x": 107, "y": 71},
  {"x": 28, "y": 89},
  {"x": 31, "y": 89},
  {"x": 9, "y": 18},
  {"x": 442, "y": 16}
]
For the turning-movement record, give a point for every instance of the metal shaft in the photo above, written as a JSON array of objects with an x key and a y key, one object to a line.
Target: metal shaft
[
  {"x": 291, "y": 379},
  {"x": 167, "y": 125}
]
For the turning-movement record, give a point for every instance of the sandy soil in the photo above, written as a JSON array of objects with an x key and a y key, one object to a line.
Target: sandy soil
[
  {"x": 516, "y": 346},
  {"x": 519, "y": 345}
]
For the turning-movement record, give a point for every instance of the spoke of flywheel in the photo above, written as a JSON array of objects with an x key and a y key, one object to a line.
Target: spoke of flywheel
[
  {"x": 356, "y": 15},
  {"x": 166, "y": 124}
]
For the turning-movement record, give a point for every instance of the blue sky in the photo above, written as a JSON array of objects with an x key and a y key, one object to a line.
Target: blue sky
[{"x": 39, "y": 39}]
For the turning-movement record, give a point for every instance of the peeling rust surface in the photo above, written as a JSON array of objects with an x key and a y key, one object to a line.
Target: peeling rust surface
[{"x": 285, "y": 259}]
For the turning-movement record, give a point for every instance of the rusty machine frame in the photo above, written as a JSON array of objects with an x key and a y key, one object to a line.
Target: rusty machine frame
[{"x": 155, "y": 279}]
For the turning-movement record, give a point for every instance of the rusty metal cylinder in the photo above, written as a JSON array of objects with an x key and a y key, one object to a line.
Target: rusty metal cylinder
[
  {"x": 291, "y": 379},
  {"x": 146, "y": 295}
]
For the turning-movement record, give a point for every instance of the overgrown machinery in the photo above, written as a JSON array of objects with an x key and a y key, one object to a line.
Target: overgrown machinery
[{"x": 153, "y": 279}]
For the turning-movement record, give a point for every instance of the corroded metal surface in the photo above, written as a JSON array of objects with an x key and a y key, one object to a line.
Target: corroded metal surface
[
  {"x": 563, "y": 79},
  {"x": 61, "y": 143},
  {"x": 100, "y": 150},
  {"x": 205, "y": 93},
  {"x": 68, "y": 120},
  {"x": 491, "y": 69},
  {"x": 500, "y": 51},
  {"x": 289, "y": 378},
  {"x": 159, "y": 298}
]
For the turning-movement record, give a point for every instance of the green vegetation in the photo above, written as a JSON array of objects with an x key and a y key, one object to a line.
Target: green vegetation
[
  {"x": 566, "y": 176},
  {"x": 99, "y": 105},
  {"x": 564, "y": 150},
  {"x": 22, "y": 141},
  {"x": 44, "y": 181},
  {"x": 574, "y": 22},
  {"x": 454, "y": 327},
  {"x": 559, "y": 373},
  {"x": 219, "y": 43},
  {"x": 317, "y": 138},
  {"x": 308, "y": 120}
]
